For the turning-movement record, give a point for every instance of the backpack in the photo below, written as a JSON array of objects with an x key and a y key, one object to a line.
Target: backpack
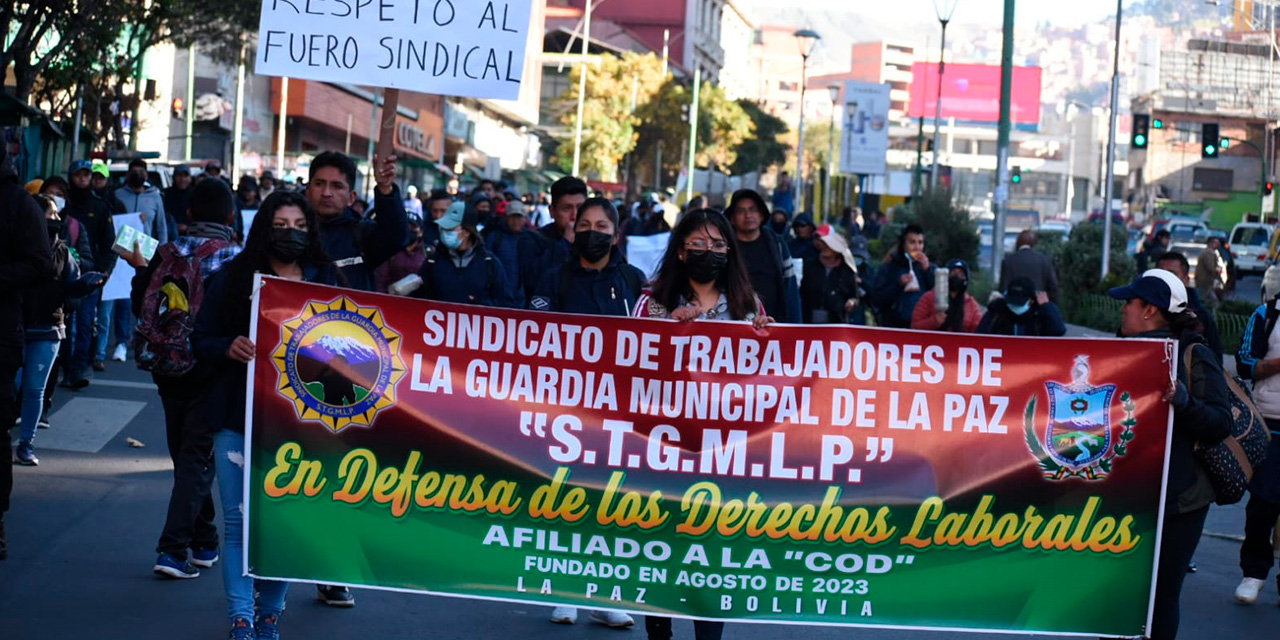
[
  {"x": 162, "y": 337},
  {"x": 1230, "y": 463}
]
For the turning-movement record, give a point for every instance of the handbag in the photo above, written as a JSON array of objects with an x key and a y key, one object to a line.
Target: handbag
[{"x": 1230, "y": 462}]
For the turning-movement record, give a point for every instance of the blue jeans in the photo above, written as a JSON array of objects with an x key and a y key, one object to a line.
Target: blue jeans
[
  {"x": 229, "y": 460},
  {"x": 38, "y": 360},
  {"x": 82, "y": 351},
  {"x": 112, "y": 314}
]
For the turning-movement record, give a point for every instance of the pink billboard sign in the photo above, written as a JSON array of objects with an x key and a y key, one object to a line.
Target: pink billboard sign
[{"x": 971, "y": 92}]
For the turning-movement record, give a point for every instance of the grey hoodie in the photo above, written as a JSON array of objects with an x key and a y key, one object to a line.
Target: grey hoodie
[{"x": 150, "y": 203}]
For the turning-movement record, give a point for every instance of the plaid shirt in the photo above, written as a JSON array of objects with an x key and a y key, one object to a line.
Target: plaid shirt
[{"x": 187, "y": 245}]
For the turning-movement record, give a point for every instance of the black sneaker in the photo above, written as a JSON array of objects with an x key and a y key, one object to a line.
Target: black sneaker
[
  {"x": 25, "y": 455},
  {"x": 99, "y": 366},
  {"x": 335, "y": 596},
  {"x": 78, "y": 383}
]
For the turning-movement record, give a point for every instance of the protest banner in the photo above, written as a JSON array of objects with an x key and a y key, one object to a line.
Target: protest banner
[
  {"x": 120, "y": 283},
  {"x": 446, "y": 47},
  {"x": 830, "y": 475}
]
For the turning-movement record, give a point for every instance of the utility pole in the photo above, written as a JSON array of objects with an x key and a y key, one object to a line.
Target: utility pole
[
  {"x": 1002, "y": 142},
  {"x": 280, "y": 129},
  {"x": 937, "y": 112},
  {"x": 1111, "y": 151},
  {"x": 582, "y": 91},
  {"x": 238, "y": 126}
]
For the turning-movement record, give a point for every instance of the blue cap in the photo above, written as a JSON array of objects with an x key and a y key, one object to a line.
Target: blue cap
[
  {"x": 1158, "y": 288},
  {"x": 183, "y": 169},
  {"x": 452, "y": 217},
  {"x": 80, "y": 165}
]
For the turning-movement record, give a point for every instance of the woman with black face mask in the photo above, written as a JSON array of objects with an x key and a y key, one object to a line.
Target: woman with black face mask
[
  {"x": 701, "y": 278},
  {"x": 595, "y": 279},
  {"x": 284, "y": 241}
]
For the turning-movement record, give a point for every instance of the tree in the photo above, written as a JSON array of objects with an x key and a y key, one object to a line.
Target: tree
[
  {"x": 609, "y": 128},
  {"x": 723, "y": 126},
  {"x": 765, "y": 149},
  {"x": 817, "y": 148}
]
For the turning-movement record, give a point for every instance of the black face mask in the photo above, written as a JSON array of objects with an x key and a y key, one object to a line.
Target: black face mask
[
  {"x": 55, "y": 228},
  {"x": 779, "y": 228},
  {"x": 592, "y": 246},
  {"x": 135, "y": 181},
  {"x": 287, "y": 245},
  {"x": 957, "y": 285},
  {"x": 705, "y": 266}
]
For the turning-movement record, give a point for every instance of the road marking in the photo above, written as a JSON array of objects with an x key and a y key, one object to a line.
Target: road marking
[
  {"x": 123, "y": 384},
  {"x": 87, "y": 424}
]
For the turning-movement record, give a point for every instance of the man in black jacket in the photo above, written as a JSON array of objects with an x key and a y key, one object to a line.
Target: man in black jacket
[
  {"x": 95, "y": 217},
  {"x": 766, "y": 256},
  {"x": 357, "y": 246},
  {"x": 551, "y": 244},
  {"x": 24, "y": 259}
]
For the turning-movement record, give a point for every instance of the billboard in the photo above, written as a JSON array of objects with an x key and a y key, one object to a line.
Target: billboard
[
  {"x": 971, "y": 93},
  {"x": 865, "y": 135}
]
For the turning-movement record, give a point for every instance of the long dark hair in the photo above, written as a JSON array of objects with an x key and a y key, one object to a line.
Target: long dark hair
[
  {"x": 256, "y": 257},
  {"x": 673, "y": 279}
]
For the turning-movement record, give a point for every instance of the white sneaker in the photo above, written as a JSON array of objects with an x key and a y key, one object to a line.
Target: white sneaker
[
  {"x": 615, "y": 619},
  {"x": 1247, "y": 592},
  {"x": 564, "y": 615},
  {"x": 121, "y": 353}
]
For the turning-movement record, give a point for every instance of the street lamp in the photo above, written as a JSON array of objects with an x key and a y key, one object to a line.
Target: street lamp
[
  {"x": 831, "y": 148},
  {"x": 807, "y": 39},
  {"x": 944, "y": 9}
]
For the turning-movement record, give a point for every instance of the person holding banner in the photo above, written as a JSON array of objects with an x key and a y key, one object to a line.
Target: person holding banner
[
  {"x": 284, "y": 241},
  {"x": 1156, "y": 307},
  {"x": 702, "y": 277},
  {"x": 358, "y": 246}
]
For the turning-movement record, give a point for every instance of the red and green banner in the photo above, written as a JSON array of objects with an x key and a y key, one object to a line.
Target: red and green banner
[{"x": 821, "y": 474}]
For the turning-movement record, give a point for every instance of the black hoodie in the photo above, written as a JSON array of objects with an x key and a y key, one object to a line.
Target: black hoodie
[
  {"x": 25, "y": 258},
  {"x": 95, "y": 218}
]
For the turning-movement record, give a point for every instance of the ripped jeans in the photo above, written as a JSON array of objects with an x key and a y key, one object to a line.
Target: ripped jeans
[{"x": 229, "y": 462}]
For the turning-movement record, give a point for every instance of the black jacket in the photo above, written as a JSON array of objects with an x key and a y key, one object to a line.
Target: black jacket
[
  {"x": 95, "y": 217},
  {"x": 358, "y": 247},
  {"x": 177, "y": 202},
  {"x": 573, "y": 288},
  {"x": 540, "y": 251},
  {"x": 483, "y": 281},
  {"x": 25, "y": 258},
  {"x": 1039, "y": 320},
  {"x": 828, "y": 291}
]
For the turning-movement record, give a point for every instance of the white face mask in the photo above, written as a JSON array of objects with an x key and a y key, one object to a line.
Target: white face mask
[
  {"x": 60, "y": 201},
  {"x": 1020, "y": 309}
]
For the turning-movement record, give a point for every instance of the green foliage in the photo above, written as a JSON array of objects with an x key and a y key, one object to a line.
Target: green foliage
[
  {"x": 949, "y": 232},
  {"x": 1239, "y": 307},
  {"x": 817, "y": 148},
  {"x": 609, "y": 128},
  {"x": 765, "y": 149},
  {"x": 723, "y": 125},
  {"x": 1079, "y": 262}
]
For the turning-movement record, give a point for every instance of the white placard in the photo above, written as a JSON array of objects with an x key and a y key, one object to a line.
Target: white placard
[
  {"x": 469, "y": 48},
  {"x": 865, "y": 134},
  {"x": 120, "y": 284},
  {"x": 246, "y": 219},
  {"x": 645, "y": 252}
]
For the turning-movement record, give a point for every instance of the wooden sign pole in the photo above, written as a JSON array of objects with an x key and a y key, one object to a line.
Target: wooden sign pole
[{"x": 387, "y": 129}]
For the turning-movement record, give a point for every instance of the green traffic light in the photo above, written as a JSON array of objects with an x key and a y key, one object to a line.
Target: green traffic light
[
  {"x": 1140, "y": 140},
  {"x": 1225, "y": 143},
  {"x": 1210, "y": 150},
  {"x": 1157, "y": 123},
  {"x": 1017, "y": 178}
]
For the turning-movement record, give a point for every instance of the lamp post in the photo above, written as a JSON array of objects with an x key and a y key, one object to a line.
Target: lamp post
[
  {"x": 1111, "y": 150},
  {"x": 582, "y": 90},
  {"x": 944, "y": 10},
  {"x": 831, "y": 150},
  {"x": 807, "y": 39}
]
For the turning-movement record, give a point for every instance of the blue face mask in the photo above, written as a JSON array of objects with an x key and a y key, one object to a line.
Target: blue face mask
[
  {"x": 1020, "y": 309},
  {"x": 452, "y": 239}
]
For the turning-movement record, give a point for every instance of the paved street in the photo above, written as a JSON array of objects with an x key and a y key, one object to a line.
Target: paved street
[{"x": 85, "y": 521}]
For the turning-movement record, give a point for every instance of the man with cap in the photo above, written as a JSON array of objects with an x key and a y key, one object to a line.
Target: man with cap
[
  {"x": 1259, "y": 360},
  {"x": 25, "y": 259},
  {"x": 829, "y": 289},
  {"x": 1023, "y": 311},
  {"x": 1155, "y": 308},
  {"x": 460, "y": 269},
  {"x": 802, "y": 243},
  {"x": 1026, "y": 262},
  {"x": 266, "y": 185},
  {"x": 177, "y": 198},
  {"x": 100, "y": 182},
  {"x": 213, "y": 169},
  {"x": 95, "y": 218},
  {"x": 408, "y": 261},
  {"x": 503, "y": 239},
  {"x": 961, "y": 314},
  {"x": 357, "y": 245}
]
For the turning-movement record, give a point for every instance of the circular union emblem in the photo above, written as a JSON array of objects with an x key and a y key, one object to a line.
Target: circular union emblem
[{"x": 339, "y": 363}]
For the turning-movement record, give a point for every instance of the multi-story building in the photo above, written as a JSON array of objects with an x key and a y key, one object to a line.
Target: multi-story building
[
  {"x": 779, "y": 66},
  {"x": 738, "y": 39}
]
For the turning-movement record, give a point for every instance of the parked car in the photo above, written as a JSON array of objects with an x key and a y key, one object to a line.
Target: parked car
[
  {"x": 1060, "y": 226},
  {"x": 1250, "y": 243}
]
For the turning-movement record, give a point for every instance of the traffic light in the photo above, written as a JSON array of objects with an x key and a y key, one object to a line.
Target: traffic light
[
  {"x": 1209, "y": 140},
  {"x": 1268, "y": 187},
  {"x": 1016, "y": 175},
  {"x": 1224, "y": 143},
  {"x": 1157, "y": 123},
  {"x": 1141, "y": 125}
]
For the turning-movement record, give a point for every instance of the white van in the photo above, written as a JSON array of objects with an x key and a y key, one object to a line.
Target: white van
[{"x": 1250, "y": 242}]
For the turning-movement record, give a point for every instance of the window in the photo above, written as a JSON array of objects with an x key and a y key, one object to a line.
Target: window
[
  {"x": 1251, "y": 237},
  {"x": 1211, "y": 179},
  {"x": 987, "y": 147},
  {"x": 788, "y": 86}
]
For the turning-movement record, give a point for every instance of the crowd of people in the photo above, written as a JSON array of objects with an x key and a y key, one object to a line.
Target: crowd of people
[{"x": 565, "y": 251}]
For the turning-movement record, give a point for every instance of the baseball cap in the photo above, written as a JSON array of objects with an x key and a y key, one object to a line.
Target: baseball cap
[
  {"x": 181, "y": 170},
  {"x": 1156, "y": 287},
  {"x": 413, "y": 219},
  {"x": 1019, "y": 292},
  {"x": 102, "y": 169},
  {"x": 516, "y": 208},
  {"x": 79, "y": 165},
  {"x": 803, "y": 220},
  {"x": 452, "y": 218},
  {"x": 212, "y": 165}
]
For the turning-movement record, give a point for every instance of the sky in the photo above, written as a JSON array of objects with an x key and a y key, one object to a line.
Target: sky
[{"x": 989, "y": 12}]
